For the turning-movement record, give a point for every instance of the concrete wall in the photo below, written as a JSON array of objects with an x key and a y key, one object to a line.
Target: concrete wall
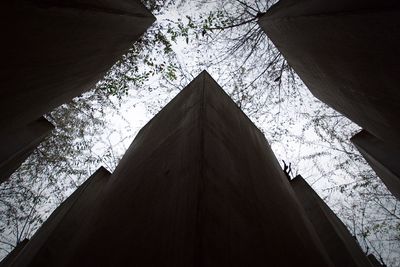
[
  {"x": 54, "y": 50},
  {"x": 382, "y": 157},
  {"x": 13, "y": 254},
  {"x": 57, "y": 236},
  {"x": 17, "y": 145},
  {"x": 375, "y": 261},
  {"x": 340, "y": 245},
  {"x": 199, "y": 186},
  {"x": 347, "y": 53}
]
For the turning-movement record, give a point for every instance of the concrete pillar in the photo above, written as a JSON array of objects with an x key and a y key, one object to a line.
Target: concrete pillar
[
  {"x": 383, "y": 158},
  {"x": 199, "y": 186},
  {"x": 340, "y": 245},
  {"x": 13, "y": 254},
  {"x": 375, "y": 261},
  {"x": 57, "y": 235},
  {"x": 17, "y": 145},
  {"x": 347, "y": 53},
  {"x": 54, "y": 50}
]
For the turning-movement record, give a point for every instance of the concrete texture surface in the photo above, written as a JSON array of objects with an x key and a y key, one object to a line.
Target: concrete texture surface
[
  {"x": 17, "y": 145},
  {"x": 375, "y": 261},
  {"x": 382, "y": 157},
  {"x": 199, "y": 186},
  {"x": 13, "y": 254},
  {"x": 347, "y": 53},
  {"x": 54, "y": 50},
  {"x": 56, "y": 237},
  {"x": 340, "y": 245}
]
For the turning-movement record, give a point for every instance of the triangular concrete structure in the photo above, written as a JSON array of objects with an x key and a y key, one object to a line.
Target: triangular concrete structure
[
  {"x": 347, "y": 53},
  {"x": 382, "y": 157},
  {"x": 54, "y": 51},
  {"x": 199, "y": 186},
  {"x": 340, "y": 245},
  {"x": 57, "y": 237},
  {"x": 17, "y": 145}
]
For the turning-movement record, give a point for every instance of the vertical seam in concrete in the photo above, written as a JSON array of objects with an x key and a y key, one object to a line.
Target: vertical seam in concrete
[{"x": 200, "y": 183}]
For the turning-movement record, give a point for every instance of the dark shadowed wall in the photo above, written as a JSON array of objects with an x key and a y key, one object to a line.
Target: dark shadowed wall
[
  {"x": 347, "y": 53},
  {"x": 383, "y": 158},
  {"x": 57, "y": 237},
  {"x": 199, "y": 186},
  {"x": 17, "y": 145},
  {"x": 340, "y": 245},
  {"x": 54, "y": 50}
]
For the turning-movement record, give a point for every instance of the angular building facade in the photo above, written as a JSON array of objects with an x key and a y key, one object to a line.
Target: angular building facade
[
  {"x": 347, "y": 53},
  {"x": 13, "y": 254},
  {"x": 18, "y": 144},
  {"x": 340, "y": 245},
  {"x": 57, "y": 236},
  {"x": 199, "y": 186},
  {"x": 383, "y": 158},
  {"x": 55, "y": 50}
]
